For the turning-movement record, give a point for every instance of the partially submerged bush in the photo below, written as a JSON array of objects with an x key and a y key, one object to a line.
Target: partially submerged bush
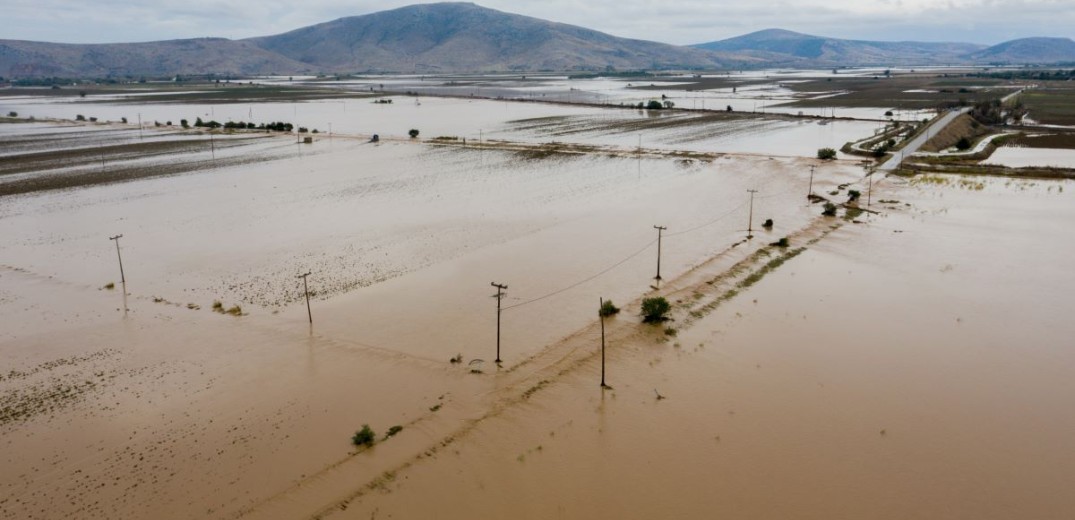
[
  {"x": 963, "y": 144},
  {"x": 654, "y": 310},
  {"x": 608, "y": 309},
  {"x": 826, "y": 154},
  {"x": 830, "y": 210},
  {"x": 364, "y": 437},
  {"x": 413, "y": 133},
  {"x": 783, "y": 242},
  {"x": 392, "y": 431},
  {"x": 853, "y": 195},
  {"x": 768, "y": 224}
]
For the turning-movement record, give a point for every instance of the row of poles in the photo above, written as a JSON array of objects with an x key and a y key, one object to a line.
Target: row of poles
[{"x": 500, "y": 288}]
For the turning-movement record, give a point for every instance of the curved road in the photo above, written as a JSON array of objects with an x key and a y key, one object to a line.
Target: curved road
[{"x": 894, "y": 162}]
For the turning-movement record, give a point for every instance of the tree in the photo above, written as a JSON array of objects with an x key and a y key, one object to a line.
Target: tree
[
  {"x": 669, "y": 104},
  {"x": 413, "y": 133},
  {"x": 963, "y": 144},
  {"x": 183, "y": 123},
  {"x": 364, "y": 437},
  {"x": 608, "y": 309},
  {"x": 654, "y": 105},
  {"x": 830, "y": 210},
  {"x": 654, "y": 310},
  {"x": 826, "y": 154}
]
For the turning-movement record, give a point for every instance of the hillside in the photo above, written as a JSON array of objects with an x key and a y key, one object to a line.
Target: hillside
[
  {"x": 1029, "y": 50},
  {"x": 466, "y": 37},
  {"x": 811, "y": 50},
  {"x": 165, "y": 58}
]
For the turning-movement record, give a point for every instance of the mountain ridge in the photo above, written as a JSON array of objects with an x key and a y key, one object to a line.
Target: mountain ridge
[{"x": 464, "y": 37}]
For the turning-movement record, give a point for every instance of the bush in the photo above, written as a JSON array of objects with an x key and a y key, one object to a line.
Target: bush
[
  {"x": 826, "y": 154},
  {"x": 80, "y": 117},
  {"x": 654, "y": 310},
  {"x": 654, "y": 105},
  {"x": 392, "y": 431},
  {"x": 413, "y": 133},
  {"x": 123, "y": 120},
  {"x": 364, "y": 437},
  {"x": 963, "y": 144},
  {"x": 13, "y": 114},
  {"x": 768, "y": 224},
  {"x": 830, "y": 210},
  {"x": 184, "y": 123},
  {"x": 853, "y": 195},
  {"x": 608, "y": 309},
  {"x": 783, "y": 242}
]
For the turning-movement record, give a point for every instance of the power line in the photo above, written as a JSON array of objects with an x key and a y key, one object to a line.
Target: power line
[{"x": 576, "y": 284}]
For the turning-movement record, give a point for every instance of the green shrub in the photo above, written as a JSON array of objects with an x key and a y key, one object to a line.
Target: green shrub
[
  {"x": 654, "y": 105},
  {"x": 853, "y": 195},
  {"x": 963, "y": 144},
  {"x": 608, "y": 309},
  {"x": 783, "y": 242},
  {"x": 826, "y": 154},
  {"x": 392, "y": 431},
  {"x": 413, "y": 133},
  {"x": 13, "y": 114},
  {"x": 830, "y": 210},
  {"x": 654, "y": 310},
  {"x": 364, "y": 437},
  {"x": 768, "y": 224}
]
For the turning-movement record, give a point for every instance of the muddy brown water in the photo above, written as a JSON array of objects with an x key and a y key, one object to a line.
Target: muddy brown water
[{"x": 902, "y": 367}]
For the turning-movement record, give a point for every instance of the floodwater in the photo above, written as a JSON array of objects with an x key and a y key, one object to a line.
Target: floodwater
[
  {"x": 1021, "y": 157},
  {"x": 907, "y": 367},
  {"x": 867, "y": 376}
]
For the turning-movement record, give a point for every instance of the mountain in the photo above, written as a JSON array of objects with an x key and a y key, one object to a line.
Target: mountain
[
  {"x": 1029, "y": 50},
  {"x": 810, "y": 50},
  {"x": 463, "y": 37},
  {"x": 165, "y": 58}
]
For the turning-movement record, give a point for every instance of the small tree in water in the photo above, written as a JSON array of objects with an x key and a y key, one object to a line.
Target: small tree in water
[
  {"x": 413, "y": 133},
  {"x": 654, "y": 310}
]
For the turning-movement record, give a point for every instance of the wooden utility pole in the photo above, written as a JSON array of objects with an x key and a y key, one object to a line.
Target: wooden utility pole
[
  {"x": 139, "y": 126},
  {"x": 869, "y": 191},
  {"x": 810, "y": 189},
  {"x": 500, "y": 288},
  {"x": 750, "y": 218},
  {"x": 601, "y": 315},
  {"x": 122, "y": 278},
  {"x": 306, "y": 291},
  {"x": 660, "y": 230}
]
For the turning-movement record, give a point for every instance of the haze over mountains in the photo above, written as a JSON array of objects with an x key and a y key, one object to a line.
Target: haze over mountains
[{"x": 464, "y": 37}]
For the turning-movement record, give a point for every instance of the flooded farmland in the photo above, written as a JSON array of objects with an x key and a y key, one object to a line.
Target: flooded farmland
[{"x": 883, "y": 364}]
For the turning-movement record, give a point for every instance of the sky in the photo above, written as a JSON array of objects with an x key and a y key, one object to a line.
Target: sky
[{"x": 684, "y": 22}]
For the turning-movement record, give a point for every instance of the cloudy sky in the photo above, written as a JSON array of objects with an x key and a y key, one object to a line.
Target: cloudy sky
[{"x": 681, "y": 22}]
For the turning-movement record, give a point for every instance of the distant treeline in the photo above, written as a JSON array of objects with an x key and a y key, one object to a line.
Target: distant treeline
[
  {"x": 1031, "y": 74},
  {"x": 614, "y": 74},
  {"x": 240, "y": 125}
]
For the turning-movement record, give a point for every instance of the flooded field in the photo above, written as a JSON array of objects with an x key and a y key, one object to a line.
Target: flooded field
[
  {"x": 865, "y": 368},
  {"x": 1020, "y": 157}
]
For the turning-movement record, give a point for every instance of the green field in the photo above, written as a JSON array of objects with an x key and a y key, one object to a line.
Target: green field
[{"x": 1051, "y": 105}]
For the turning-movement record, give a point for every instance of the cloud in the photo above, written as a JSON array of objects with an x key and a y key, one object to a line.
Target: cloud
[{"x": 685, "y": 22}]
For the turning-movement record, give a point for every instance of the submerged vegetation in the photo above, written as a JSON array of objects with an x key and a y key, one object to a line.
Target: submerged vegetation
[{"x": 655, "y": 310}]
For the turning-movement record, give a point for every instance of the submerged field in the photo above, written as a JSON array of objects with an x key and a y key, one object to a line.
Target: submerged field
[{"x": 897, "y": 362}]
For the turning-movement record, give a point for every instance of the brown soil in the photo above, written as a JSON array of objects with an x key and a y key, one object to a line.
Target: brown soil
[{"x": 962, "y": 126}]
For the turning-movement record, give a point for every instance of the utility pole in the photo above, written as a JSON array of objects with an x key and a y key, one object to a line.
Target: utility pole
[
  {"x": 500, "y": 288},
  {"x": 810, "y": 190},
  {"x": 306, "y": 291},
  {"x": 122, "y": 278},
  {"x": 869, "y": 191},
  {"x": 660, "y": 230},
  {"x": 139, "y": 126},
  {"x": 602, "y": 318},
  {"x": 750, "y": 218}
]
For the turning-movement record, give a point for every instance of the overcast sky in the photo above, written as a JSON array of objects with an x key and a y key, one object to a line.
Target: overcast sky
[{"x": 681, "y": 22}]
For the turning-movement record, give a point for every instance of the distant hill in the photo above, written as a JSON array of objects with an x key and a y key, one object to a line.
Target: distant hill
[
  {"x": 810, "y": 50},
  {"x": 1028, "y": 50},
  {"x": 467, "y": 37},
  {"x": 464, "y": 37},
  {"x": 165, "y": 58}
]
